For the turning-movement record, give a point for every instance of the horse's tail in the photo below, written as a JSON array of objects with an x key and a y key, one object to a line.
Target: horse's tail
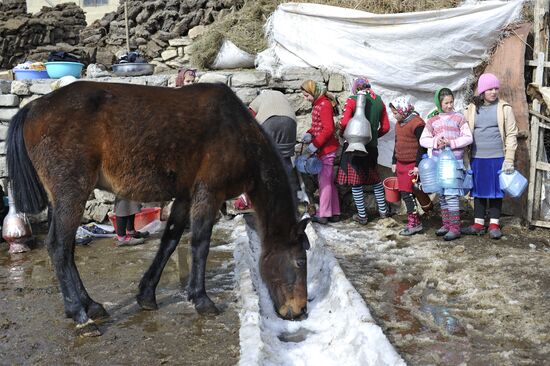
[{"x": 27, "y": 189}]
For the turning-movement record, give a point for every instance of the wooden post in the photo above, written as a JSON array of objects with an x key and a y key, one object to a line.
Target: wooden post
[
  {"x": 540, "y": 54},
  {"x": 127, "y": 30},
  {"x": 533, "y": 194}
]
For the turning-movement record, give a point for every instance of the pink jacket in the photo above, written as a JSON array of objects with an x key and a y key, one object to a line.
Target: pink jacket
[{"x": 453, "y": 127}]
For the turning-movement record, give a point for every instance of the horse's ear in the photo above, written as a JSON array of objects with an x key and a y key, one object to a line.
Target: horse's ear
[
  {"x": 305, "y": 242},
  {"x": 301, "y": 226}
]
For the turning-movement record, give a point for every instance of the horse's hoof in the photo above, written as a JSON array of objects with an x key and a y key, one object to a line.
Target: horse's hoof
[
  {"x": 97, "y": 311},
  {"x": 205, "y": 306},
  {"x": 147, "y": 303},
  {"x": 88, "y": 329}
]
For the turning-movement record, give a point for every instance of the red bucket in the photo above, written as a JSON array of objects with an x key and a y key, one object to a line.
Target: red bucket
[
  {"x": 391, "y": 189},
  {"x": 144, "y": 217}
]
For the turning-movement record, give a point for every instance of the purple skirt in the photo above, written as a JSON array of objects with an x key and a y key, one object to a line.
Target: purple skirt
[{"x": 485, "y": 178}]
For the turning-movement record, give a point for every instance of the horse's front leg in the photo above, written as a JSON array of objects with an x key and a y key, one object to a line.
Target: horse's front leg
[
  {"x": 179, "y": 216},
  {"x": 64, "y": 223},
  {"x": 203, "y": 216}
]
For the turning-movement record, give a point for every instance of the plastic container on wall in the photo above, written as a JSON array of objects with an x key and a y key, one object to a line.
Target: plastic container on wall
[
  {"x": 513, "y": 184},
  {"x": 427, "y": 169},
  {"x": 448, "y": 173}
]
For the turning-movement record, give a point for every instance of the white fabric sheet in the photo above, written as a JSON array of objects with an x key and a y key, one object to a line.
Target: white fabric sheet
[{"x": 409, "y": 53}]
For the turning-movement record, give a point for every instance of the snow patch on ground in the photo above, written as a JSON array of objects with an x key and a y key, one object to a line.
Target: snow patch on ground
[{"x": 339, "y": 329}]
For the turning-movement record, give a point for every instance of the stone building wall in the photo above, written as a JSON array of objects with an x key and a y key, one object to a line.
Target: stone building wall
[{"x": 21, "y": 33}]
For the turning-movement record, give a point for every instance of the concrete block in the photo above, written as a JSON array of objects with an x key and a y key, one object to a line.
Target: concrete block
[
  {"x": 9, "y": 100},
  {"x": 335, "y": 83},
  {"x": 20, "y": 88},
  {"x": 247, "y": 95},
  {"x": 213, "y": 77},
  {"x": 169, "y": 54},
  {"x": 3, "y": 131},
  {"x": 249, "y": 79},
  {"x": 40, "y": 88},
  {"x": 6, "y": 114},
  {"x": 180, "y": 42}
]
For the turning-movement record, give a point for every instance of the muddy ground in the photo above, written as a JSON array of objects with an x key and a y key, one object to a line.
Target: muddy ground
[
  {"x": 34, "y": 331},
  {"x": 473, "y": 301}
]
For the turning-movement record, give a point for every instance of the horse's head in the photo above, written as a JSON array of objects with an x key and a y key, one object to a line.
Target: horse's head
[{"x": 284, "y": 270}]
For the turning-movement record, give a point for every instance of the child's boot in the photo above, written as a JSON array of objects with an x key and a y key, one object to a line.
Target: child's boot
[
  {"x": 494, "y": 231},
  {"x": 453, "y": 225},
  {"x": 413, "y": 225},
  {"x": 475, "y": 229},
  {"x": 454, "y": 232},
  {"x": 445, "y": 219}
]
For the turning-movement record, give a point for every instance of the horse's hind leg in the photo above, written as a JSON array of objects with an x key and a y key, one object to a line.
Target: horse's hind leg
[
  {"x": 65, "y": 220},
  {"x": 204, "y": 207},
  {"x": 179, "y": 216},
  {"x": 94, "y": 310}
]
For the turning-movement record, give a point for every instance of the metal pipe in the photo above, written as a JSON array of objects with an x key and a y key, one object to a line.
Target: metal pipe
[{"x": 127, "y": 30}]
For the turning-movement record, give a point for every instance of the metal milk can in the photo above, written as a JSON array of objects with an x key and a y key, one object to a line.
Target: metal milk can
[
  {"x": 16, "y": 229},
  {"x": 358, "y": 131}
]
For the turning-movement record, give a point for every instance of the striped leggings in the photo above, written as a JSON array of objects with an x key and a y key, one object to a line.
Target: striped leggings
[{"x": 359, "y": 199}]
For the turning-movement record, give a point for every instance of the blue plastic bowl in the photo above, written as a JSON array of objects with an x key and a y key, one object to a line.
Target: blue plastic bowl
[
  {"x": 58, "y": 69},
  {"x": 30, "y": 74}
]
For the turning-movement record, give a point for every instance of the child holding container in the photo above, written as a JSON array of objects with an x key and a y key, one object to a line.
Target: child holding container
[
  {"x": 406, "y": 156},
  {"x": 494, "y": 129},
  {"x": 448, "y": 128}
]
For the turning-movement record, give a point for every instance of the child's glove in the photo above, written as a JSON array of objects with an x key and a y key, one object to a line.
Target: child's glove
[
  {"x": 311, "y": 148},
  {"x": 507, "y": 167},
  {"x": 307, "y": 138}
]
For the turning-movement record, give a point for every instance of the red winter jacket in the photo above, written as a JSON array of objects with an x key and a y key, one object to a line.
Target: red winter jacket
[{"x": 322, "y": 126}]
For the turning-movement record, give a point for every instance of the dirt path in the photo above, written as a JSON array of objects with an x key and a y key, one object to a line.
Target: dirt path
[{"x": 474, "y": 301}]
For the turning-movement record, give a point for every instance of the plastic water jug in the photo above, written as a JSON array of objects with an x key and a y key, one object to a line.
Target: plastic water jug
[
  {"x": 427, "y": 169},
  {"x": 468, "y": 182},
  {"x": 448, "y": 173},
  {"x": 512, "y": 184}
]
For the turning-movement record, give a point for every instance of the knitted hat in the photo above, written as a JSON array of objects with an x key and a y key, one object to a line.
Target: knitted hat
[{"x": 486, "y": 82}]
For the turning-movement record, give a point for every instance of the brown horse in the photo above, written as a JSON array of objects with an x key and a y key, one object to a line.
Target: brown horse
[{"x": 198, "y": 144}]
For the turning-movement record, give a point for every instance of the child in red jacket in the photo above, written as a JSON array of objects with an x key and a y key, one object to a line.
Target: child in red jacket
[{"x": 322, "y": 142}]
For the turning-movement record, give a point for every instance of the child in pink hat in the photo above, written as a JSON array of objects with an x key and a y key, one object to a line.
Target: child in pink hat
[{"x": 494, "y": 130}]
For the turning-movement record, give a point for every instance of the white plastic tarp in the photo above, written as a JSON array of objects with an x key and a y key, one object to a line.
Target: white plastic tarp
[{"x": 409, "y": 53}]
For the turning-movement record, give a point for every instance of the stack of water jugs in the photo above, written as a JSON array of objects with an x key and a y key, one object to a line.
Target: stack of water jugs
[
  {"x": 440, "y": 172},
  {"x": 444, "y": 171}
]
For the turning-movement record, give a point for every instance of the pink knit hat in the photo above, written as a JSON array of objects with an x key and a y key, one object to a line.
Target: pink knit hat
[{"x": 487, "y": 81}]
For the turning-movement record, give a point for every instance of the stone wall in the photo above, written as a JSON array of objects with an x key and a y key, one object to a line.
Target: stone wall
[
  {"x": 245, "y": 83},
  {"x": 21, "y": 33},
  {"x": 151, "y": 25}
]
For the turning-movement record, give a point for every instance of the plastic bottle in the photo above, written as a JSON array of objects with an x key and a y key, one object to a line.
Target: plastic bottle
[
  {"x": 468, "y": 182},
  {"x": 512, "y": 184},
  {"x": 448, "y": 174},
  {"x": 427, "y": 169}
]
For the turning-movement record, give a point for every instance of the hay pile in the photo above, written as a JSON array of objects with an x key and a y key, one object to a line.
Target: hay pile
[{"x": 244, "y": 27}]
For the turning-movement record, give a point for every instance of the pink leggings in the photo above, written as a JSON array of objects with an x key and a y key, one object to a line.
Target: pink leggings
[{"x": 329, "y": 204}]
